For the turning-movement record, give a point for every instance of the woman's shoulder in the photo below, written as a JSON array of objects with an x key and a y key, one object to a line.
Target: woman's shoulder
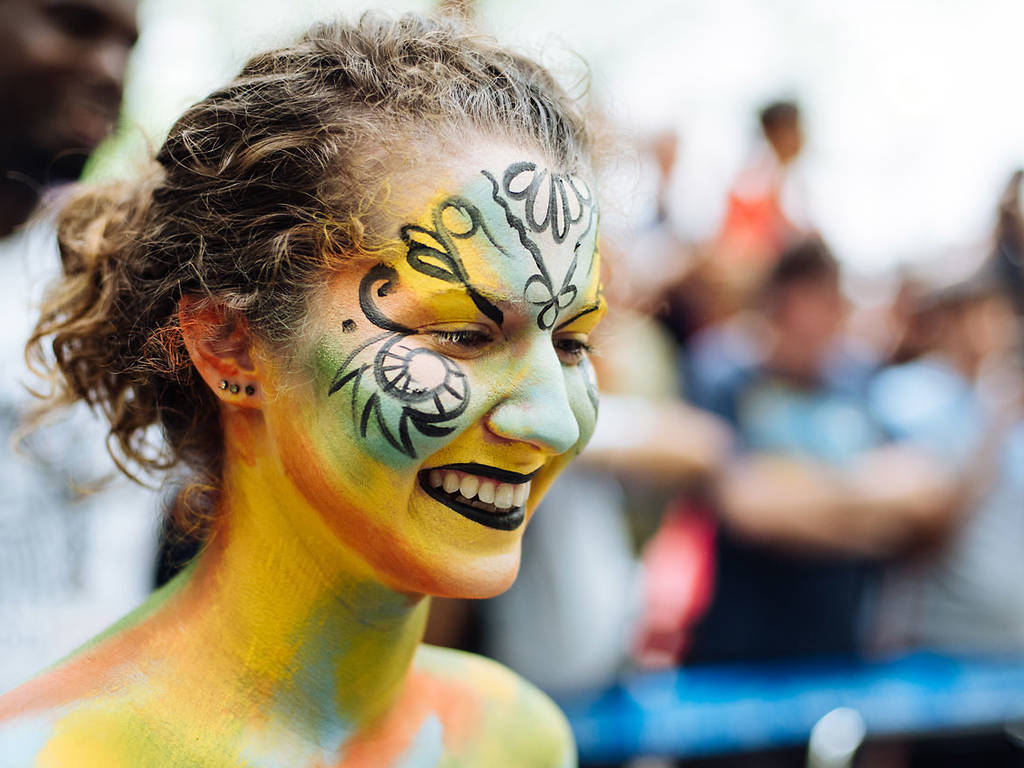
[
  {"x": 502, "y": 719},
  {"x": 38, "y": 727},
  {"x": 72, "y": 709},
  {"x": 459, "y": 707}
]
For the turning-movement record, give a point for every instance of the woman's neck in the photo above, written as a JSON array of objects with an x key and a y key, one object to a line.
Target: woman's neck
[{"x": 287, "y": 619}]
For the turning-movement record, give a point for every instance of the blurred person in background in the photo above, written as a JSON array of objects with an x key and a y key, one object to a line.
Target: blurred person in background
[
  {"x": 816, "y": 496},
  {"x": 69, "y": 563},
  {"x": 709, "y": 309},
  {"x": 62, "y": 66},
  {"x": 1009, "y": 242},
  {"x": 766, "y": 210},
  {"x": 767, "y": 206},
  {"x": 961, "y": 403}
]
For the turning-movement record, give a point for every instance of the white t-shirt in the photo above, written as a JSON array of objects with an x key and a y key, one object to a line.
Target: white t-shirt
[
  {"x": 70, "y": 564},
  {"x": 966, "y": 597}
]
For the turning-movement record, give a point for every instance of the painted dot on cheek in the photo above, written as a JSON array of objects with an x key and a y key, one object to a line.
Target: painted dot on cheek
[{"x": 348, "y": 326}]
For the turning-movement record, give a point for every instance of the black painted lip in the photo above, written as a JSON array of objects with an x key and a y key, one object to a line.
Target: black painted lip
[
  {"x": 505, "y": 521},
  {"x": 484, "y": 470}
]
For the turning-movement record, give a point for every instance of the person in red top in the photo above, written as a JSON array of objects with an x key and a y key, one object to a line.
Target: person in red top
[
  {"x": 766, "y": 211},
  {"x": 759, "y": 220}
]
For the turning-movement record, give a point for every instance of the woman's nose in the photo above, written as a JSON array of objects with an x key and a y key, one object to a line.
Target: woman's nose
[{"x": 535, "y": 408}]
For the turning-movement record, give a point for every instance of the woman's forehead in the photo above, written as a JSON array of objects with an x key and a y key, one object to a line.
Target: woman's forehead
[
  {"x": 447, "y": 164},
  {"x": 498, "y": 224}
]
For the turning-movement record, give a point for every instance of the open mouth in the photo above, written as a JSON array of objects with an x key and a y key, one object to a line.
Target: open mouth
[{"x": 487, "y": 495}]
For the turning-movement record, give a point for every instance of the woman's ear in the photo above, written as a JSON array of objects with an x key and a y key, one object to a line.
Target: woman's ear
[{"x": 220, "y": 345}]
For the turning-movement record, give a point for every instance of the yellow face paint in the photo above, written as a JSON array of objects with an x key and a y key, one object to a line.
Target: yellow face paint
[
  {"x": 398, "y": 451},
  {"x": 448, "y": 382}
]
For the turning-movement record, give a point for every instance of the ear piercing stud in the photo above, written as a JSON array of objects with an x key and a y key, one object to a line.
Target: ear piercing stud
[{"x": 234, "y": 388}]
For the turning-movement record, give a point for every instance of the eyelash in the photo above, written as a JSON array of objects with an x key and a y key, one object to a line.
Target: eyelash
[
  {"x": 570, "y": 351},
  {"x": 466, "y": 340},
  {"x": 573, "y": 349}
]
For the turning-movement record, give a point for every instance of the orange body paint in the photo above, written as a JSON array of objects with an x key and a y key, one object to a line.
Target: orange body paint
[{"x": 396, "y": 452}]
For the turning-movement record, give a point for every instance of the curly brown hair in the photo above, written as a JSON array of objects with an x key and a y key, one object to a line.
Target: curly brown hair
[{"x": 257, "y": 190}]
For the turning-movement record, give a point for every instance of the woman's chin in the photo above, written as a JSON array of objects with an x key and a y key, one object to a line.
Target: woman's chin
[{"x": 473, "y": 578}]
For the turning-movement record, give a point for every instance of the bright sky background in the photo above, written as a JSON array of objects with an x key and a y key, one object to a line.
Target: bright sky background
[{"x": 913, "y": 108}]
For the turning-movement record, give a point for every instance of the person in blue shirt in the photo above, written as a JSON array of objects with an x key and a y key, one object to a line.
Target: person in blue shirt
[
  {"x": 961, "y": 403},
  {"x": 816, "y": 494}
]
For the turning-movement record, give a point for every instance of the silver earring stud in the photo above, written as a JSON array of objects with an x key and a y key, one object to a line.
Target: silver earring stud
[
  {"x": 233, "y": 389},
  {"x": 223, "y": 383}
]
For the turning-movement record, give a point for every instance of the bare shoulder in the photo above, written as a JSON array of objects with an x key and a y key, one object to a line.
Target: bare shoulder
[
  {"x": 24, "y": 734},
  {"x": 506, "y": 720},
  {"x": 57, "y": 719},
  {"x": 31, "y": 717}
]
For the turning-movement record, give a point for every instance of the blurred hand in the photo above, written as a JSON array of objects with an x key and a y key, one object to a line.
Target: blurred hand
[
  {"x": 893, "y": 498},
  {"x": 664, "y": 442}
]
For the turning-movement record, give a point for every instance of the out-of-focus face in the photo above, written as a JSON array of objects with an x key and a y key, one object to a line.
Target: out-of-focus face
[
  {"x": 809, "y": 316},
  {"x": 988, "y": 328},
  {"x": 445, "y": 383},
  {"x": 62, "y": 65},
  {"x": 787, "y": 139}
]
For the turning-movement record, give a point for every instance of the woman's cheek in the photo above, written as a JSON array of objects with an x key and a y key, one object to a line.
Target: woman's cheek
[
  {"x": 583, "y": 395},
  {"x": 396, "y": 400}
]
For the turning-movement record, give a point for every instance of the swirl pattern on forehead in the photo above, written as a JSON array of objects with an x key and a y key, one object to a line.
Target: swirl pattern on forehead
[
  {"x": 435, "y": 253},
  {"x": 564, "y": 201}
]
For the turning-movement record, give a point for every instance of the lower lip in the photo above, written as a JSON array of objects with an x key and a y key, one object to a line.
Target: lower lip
[{"x": 502, "y": 521}]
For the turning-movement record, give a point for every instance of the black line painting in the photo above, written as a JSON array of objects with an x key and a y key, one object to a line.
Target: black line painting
[
  {"x": 430, "y": 389},
  {"x": 552, "y": 203}
]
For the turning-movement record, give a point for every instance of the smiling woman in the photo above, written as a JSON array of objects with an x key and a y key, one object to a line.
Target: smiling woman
[{"x": 355, "y": 294}]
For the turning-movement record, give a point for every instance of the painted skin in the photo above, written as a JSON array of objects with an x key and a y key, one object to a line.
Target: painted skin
[{"x": 294, "y": 639}]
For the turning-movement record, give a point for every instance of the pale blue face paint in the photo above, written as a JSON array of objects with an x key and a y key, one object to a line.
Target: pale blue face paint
[
  {"x": 521, "y": 244},
  {"x": 427, "y": 748},
  {"x": 22, "y": 738},
  {"x": 462, "y": 348}
]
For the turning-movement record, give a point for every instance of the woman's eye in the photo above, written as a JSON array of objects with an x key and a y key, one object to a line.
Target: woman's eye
[
  {"x": 571, "y": 351},
  {"x": 461, "y": 342}
]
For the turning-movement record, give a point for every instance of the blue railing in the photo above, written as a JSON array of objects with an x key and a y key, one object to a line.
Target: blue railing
[{"x": 714, "y": 710}]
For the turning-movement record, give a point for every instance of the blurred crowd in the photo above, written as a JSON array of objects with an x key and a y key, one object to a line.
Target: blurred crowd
[
  {"x": 72, "y": 561},
  {"x": 782, "y": 469},
  {"x": 827, "y": 478},
  {"x": 781, "y": 472}
]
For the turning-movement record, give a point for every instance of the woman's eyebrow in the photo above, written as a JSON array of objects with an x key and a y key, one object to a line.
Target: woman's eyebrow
[
  {"x": 585, "y": 311},
  {"x": 465, "y": 292}
]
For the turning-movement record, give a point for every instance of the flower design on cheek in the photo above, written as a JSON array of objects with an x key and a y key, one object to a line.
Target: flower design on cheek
[
  {"x": 416, "y": 375},
  {"x": 416, "y": 388}
]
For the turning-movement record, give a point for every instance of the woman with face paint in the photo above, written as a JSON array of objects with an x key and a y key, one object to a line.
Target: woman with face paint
[{"x": 355, "y": 295}]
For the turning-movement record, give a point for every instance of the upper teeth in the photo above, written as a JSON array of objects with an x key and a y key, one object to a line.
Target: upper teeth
[{"x": 501, "y": 495}]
